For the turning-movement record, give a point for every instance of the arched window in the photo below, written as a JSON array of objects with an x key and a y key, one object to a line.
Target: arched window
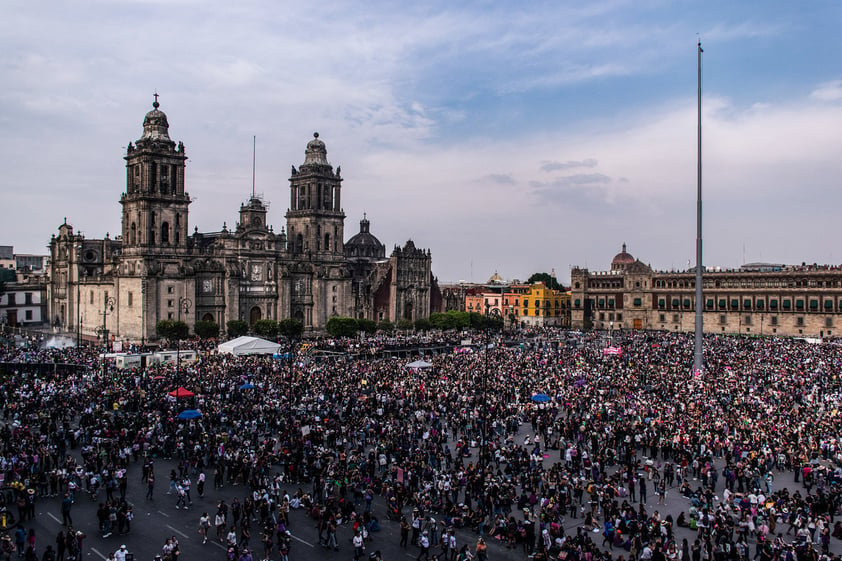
[
  {"x": 165, "y": 232},
  {"x": 299, "y": 243},
  {"x": 327, "y": 242},
  {"x": 133, "y": 234}
]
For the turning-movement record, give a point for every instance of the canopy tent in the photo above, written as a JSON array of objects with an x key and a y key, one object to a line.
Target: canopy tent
[
  {"x": 419, "y": 365},
  {"x": 180, "y": 391},
  {"x": 190, "y": 414},
  {"x": 248, "y": 346}
]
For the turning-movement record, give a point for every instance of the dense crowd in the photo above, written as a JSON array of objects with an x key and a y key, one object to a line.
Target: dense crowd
[{"x": 460, "y": 446}]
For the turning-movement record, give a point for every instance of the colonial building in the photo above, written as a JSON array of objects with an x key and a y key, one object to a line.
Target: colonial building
[
  {"x": 158, "y": 270},
  {"x": 756, "y": 299}
]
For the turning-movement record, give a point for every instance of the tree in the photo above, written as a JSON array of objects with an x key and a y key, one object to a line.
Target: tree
[
  {"x": 339, "y": 326},
  {"x": 405, "y": 324},
  {"x": 547, "y": 279},
  {"x": 206, "y": 329},
  {"x": 386, "y": 326},
  {"x": 267, "y": 328},
  {"x": 237, "y": 328},
  {"x": 423, "y": 324},
  {"x": 367, "y": 326},
  {"x": 454, "y": 319},
  {"x": 291, "y": 328},
  {"x": 173, "y": 330}
]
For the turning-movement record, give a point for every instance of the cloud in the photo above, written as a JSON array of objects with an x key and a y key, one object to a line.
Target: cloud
[
  {"x": 570, "y": 164},
  {"x": 746, "y": 30},
  {"x": 498, "y": 178},
  {"x": 829, "y": 91},
  {"x": 577, "y": 190}
]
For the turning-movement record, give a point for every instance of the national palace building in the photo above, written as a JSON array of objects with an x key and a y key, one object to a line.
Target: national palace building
[
  {"x": 157, "y": 269},
  {"x": 756, "y": 299}
]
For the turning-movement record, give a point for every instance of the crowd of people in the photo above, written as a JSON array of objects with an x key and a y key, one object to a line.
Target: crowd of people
[{"x": 460, "y": 448}]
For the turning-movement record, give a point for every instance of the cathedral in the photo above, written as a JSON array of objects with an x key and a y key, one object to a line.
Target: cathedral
[{"x": 157, "y": 269}]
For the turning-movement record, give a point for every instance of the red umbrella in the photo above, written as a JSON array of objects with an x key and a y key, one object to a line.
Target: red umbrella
[
  {"x": 181, "y": 391},
  {"x": 157, "y": 377}
]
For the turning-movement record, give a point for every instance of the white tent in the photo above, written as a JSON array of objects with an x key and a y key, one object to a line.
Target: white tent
[
  {"x": 419, "y": 365},
  {"x": 248, "y": 346}
]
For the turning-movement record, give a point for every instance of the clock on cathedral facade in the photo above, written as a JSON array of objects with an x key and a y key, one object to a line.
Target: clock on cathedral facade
[{"x": 158, "y": 270}]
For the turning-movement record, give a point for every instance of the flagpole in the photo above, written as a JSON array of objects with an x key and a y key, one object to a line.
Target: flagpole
[{"x": 697, "y": 355}]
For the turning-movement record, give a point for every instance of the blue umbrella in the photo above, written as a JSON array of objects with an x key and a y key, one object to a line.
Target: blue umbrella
[
  {"x": 190, "y": 414},
  {"x": 540, "y": 398},
  {"x": 246, "y": 386}
]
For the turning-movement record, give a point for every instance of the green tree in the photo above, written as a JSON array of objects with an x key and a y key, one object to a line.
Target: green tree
[
  {"x": 206, "y": 329},
  {"x": 173, "y": 330},
  {"x": 386, "y": 326},
  {"x": 291, "y": 328},
  {"x": 405, "y": 324},
  {"x": 549, "y": 280},
  {"x": 237, "y": 328},
  {"x": 454, "y": 319},
  {"x": 368, "y": 326},
  {"x": 339, "y": 326},
  {"x": 267, "y": 328},
  {"x": 423, "y": 324}
]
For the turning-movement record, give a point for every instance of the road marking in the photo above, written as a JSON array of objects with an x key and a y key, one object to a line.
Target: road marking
[
  {"x": 302, "y": 541},
  {"x": 179, "y": 532},
  {"x": 100, "y": 554},
  {"x": 51, "y": 515},
  {"x": 217, "y": 544},
  {"x": 164, "y": 513}
]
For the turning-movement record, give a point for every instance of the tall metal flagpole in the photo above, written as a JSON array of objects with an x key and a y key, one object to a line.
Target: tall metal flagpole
[
  {"x": 253, "y": 161},
  {"x": 697, "y": 355}
]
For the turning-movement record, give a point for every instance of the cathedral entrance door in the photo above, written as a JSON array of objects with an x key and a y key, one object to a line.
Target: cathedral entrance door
[{"x": 254, "y": 316}]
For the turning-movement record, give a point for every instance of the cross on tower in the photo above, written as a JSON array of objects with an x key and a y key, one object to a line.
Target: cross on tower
[{"x": 155, "y": 104}]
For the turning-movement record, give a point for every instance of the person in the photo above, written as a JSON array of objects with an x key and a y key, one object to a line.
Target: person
[
  {"x": 121, "y": 554},
  {"x": 20, "y": 540},
  {"x": 219, "y": 522},
  {"x": 359, "y": 545},
  {"x": 481, "y": 550},
  {"x": 200, "y": 485},
  {"x": 30, "y": 539},
  {"x": 66, "y": 505},
  {"x": 204, "y": 525},
  {"x": 181, "y": 493},
  {"x": 424, "y": 544},
  {"x": 150, "y": 484},
  {"x": 404, "y": 532},
  {"x": 49, "y": 554},
  {"x": 61, "y": 545}
]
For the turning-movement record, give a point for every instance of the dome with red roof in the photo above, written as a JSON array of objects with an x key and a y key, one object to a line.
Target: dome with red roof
[{"x": 621, "y": 260}]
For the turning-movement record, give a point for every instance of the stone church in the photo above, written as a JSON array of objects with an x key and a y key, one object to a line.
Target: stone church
[{"x": 158, "y": 269}]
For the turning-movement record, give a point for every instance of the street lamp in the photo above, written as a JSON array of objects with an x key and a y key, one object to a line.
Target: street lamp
[
  {"x": 184, "y": 304},
  {"x": 78, "y": 299},
  {"x": 107, "y": 308},
  {"x": 483, "y": 448}
]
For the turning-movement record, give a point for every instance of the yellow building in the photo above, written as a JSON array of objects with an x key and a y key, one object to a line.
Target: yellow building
[{"x": 542, "y": 305}]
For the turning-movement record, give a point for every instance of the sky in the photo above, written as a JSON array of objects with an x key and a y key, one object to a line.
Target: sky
[{"x": 516, "y": 137}]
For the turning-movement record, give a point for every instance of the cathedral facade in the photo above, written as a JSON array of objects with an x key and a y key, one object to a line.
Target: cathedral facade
[{"x": 158, "y": 270}]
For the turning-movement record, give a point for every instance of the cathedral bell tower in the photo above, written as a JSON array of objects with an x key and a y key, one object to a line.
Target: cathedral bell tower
[
  {"x": 315, "y": 218},
  {"x": 155, "y": 205}
]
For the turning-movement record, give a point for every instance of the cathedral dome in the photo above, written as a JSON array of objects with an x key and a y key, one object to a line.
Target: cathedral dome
[
  {"x": 316, "y": 152},
  {"x": 621, "y": 260},
  {"x": 155, "y": 125},
  {"x": 365, "y": 244}
]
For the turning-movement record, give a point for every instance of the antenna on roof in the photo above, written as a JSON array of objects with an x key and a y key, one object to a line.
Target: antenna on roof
[{"x": 253, "y": 161}]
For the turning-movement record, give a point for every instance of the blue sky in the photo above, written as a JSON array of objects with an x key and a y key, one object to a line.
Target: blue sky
[{"x": 505, "y": 136}]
